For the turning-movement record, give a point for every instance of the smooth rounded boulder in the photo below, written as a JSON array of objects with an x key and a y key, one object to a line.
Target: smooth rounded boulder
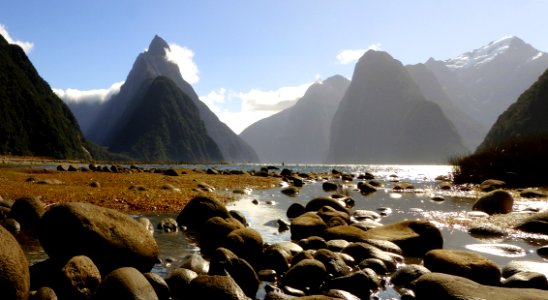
[
  {"x": 307, "y": 225},
  {"x": 307, "y": 274},
  {"x": 110, "y": 238},
  {"x": 215, "y": 287},
  {"x": 451, "y": 287},
  {"x": 495, "y": 202},
  {"x": 463, "y": 263},
  {"x": 14, "y": 268},
  {"x": 126, "y": 284},
  {"x": 199, "y": 210},
  {"x": 79, "y": 278},
  {"x": 537, "y": 223},
  {"x": 28, "y": 211}
]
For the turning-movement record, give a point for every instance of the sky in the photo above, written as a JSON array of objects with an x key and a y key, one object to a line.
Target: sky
[{"x": 248, "y": 59}]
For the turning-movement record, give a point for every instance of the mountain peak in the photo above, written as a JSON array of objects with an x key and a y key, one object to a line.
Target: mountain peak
[
  {"x": 158, "y": 46},
  {"x": 489, "y": 52}
]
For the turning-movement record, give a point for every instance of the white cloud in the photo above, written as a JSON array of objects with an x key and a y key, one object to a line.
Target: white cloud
[
  {"x": 255, "y": 104},
  {"x": 349, "y": 56},
  {"x": 27, "y": 46},
  {"x": 183, "y": 57},
  {"x": 90, "y": 96}
]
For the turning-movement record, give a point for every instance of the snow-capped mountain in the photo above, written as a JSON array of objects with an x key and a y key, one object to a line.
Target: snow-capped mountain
[{"x": 484, "y": 82}]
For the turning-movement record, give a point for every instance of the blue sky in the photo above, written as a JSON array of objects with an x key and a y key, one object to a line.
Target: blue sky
[{"x": 247, "y": 59}]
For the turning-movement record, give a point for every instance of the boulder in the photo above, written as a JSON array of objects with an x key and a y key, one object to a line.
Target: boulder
[
  {"x": 361, "y": 251},
  {"x": 451, "y": 287},
  {"x": 333, "y": 262},
  {"x": 366, "y": 188},
  {"x": 278, "y": 256},
  {"x": 407, "y": 274},
  {"x": 196, "y": 263},
  {"x": 491, "y": 185},
  {"x": 110, "y": 238},
  {"x": 168, "y": 225},
  {"x": 495, "y": 202},
  {"x": 159, "y": 284},
  {"x": 463, "y": 263},
  {"x": 14, "y": 268},
  {"x": 518, "y": 266},
  {"x": 345, "y": 232},
  {"x": 537, "y": 223},
  {"x": 199, "y": 210},
  {"x": 533, "y": 280},
  {"x": 215, "y": 231},
  {"x": 306, "y": 225},
  {"x": 246, "y": 243},
  {"x": 214, "y": 287},
  {"x": 225, "y": 262},
  {"x": 79, "y": 278},
  {"x": 45, "y": 293},
  {"x": 295, "y": 210},
  {"x": 126, "y": 283},
  {"x": 179, "y": 280},
  {"x": 28, "y": 211},
  {"x": 414, "y": 237},
  {"x": 307, "y": 274},
  {"x": 358, "y": 283},
  {"x": 317, "y": 203}
]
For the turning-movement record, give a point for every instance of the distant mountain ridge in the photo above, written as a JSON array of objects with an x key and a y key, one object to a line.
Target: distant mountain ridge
[
  {"x": 34, "y": 121},
  {"x": 384, "y": 118},
  {"x": 299, "y": 134},
  {"x": 107, "y": 126},
  {"x": 484, "y": 82}
]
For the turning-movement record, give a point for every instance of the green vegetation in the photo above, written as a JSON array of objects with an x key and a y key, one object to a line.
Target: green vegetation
[
  {"x": 164, "y": 125},
  {"x": 516, "y": 147}
]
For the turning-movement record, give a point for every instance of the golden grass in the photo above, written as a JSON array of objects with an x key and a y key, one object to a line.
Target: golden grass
[{"x": 114, "y": 191}]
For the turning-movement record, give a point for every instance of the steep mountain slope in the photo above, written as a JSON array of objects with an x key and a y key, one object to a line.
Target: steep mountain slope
[
  {"x": 384, "y": 118},
  {"x": 34, "y": 121},
  {"x": 471, "y": 131},
  {"x": 164, "y": 125},
  {"x": 516, "y": 147},
  {"x": 299, "y": 134},
  {"x": 149, "y": 65},
  {"x": 485, "y": 81}
]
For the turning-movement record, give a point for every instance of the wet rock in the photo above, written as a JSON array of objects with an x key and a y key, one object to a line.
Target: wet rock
[
  {"x": 333, "y": 262},
  {"x": 358, "y": 283},
  {"x": 407, "y": 274},
  {"x": 463, "y": 263},
  {"x": 14, "y": 268},
  {"x": 337, "y": 245},
  {"x": 317, "y": 203},
  {"x": 415, "y": 238},
  {"x": 159, "y": 285},
  {"x": 44, "y": 293},
  {"x": 517, "y": 266},
  {"x": 486, "y": 230},
  {"x": 543, "y": 251},
  {"x": 225, "y": 262},
  {"x": 246, "y": 243},
  {"x": 375, "y": 264},
  {"x": 147, "y": 224},
  {"x": 361, "y": 251},
  {"x": 505, "y": 250},
  {"x": 532, "y": 193},
  {"x": 362, "y": 214},
  {"x": 445, "y": 286},
  {"x": 79, "y": 278},
  {"x": 445, "y": 185},
  {"x": 196, "y": 263},
  {"x": 214, "y": 287},
  {"x": 491, "y": 185},
  {"x": 531, "y": 280},
  {"x": 495, "y": 202},
  {"x": 12, "y": 226},
  {"x": 168, "y": 225},
  {"x": 278, "y": 257},
  {"x": 345, "y": 232},
  {"x": 340, "y": 294},
  {"x": 295, "y": 210},
  {"x": 283, "y": 225},
  {"x": 238, "y": 215},
  {"x": 307, "y": 274},
  {"x": 110, "y": 238},
  {"x": 199, "y": 210},
  {"x": 28, "y": 211},
  {"x": 306, "y": 225},
  {"x": 179, "y": 280},
  {"x": 313, "y": 242},
  {"x": 125, "y": 283},
  {"x": 291, "y": 191},
  {"x": 327, "y": 213},
  {"x": 329, "y": 186},
  {"x": 215, "y": 231},
  {"x": 384, "y": 245},
  {"x": 366, "y": 188},
  {"x": 537, "y": 223}
]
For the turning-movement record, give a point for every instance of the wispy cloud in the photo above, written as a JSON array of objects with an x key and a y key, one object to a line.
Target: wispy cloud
[
  {"x": 254, "y": 104},
  {"x": 90, "y": 96},
  {"x": 184, "y": 58},
  {"x": 348, "y": 56},
  {"x": 27, "y": 46}
]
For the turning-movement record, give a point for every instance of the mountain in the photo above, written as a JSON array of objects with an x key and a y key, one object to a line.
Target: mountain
[
  {"x": 471, "y": 130},
  {"x": 34, "y": 121},
  {"x": 384, "y": 118},
  {"x": 484, "y": 82},
  {"x": 150, "y": 64},
  {"x": 299, "y": 134},
  {"x": 516, "y": 147},
  {"x": 165, "y": 125}
]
